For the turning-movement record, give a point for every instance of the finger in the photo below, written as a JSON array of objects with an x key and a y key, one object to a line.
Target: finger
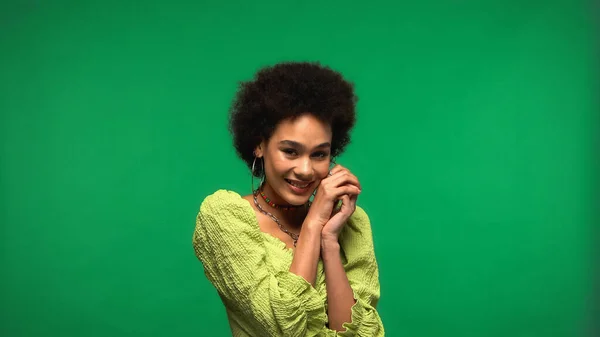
[
  {"x": 353, "y": 199},
  {"x": 344, "y": 178},
  {"x": 346, "y": 189},
  {"x": 337, "y": 168},
  {"x": 345, "y": 201},
  {"x": 340, "y": 170}
]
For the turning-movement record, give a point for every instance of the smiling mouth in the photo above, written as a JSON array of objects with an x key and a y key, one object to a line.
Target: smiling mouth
[{"x": 298, "y": 184}]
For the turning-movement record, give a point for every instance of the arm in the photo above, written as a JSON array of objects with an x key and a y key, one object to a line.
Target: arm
[
  {"x": 263, "y": 302},
  {"x": 351, "y": 271},
  {"x": 339, "y": 293},
  {"x": 360, "y": 264},
  {"x": 306, "y": 255}
]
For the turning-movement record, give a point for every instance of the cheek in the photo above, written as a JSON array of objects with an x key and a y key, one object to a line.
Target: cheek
[
  {"x": 279, "y": 165},
  {"x": 322, "y": 171}
]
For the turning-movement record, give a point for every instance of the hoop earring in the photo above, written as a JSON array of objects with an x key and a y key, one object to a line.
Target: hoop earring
[{"x": 262, "y": 181}]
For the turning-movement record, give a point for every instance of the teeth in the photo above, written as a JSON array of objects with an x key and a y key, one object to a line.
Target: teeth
[{"x": 298, "y": 185}]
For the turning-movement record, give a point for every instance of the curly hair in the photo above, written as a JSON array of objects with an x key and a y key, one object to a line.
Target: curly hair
[{"x": 285, "y": 91}]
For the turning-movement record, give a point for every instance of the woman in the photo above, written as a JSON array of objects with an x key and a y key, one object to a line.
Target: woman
[{"x": 295, "y": 257}]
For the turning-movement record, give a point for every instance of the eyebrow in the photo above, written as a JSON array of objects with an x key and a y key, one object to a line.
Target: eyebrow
[{"x": 298, "y": 145}]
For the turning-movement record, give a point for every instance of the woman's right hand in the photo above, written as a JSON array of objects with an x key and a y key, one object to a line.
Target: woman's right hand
[{"x": 340, "y": 182}]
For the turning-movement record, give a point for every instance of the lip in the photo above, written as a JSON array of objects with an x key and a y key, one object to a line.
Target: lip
[{"x": 298, "y": 190}]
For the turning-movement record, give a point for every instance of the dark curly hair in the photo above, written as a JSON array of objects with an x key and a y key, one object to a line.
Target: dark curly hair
[{"x": 289, "y": 90}]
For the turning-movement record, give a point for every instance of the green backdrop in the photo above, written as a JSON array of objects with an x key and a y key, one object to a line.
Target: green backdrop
[{"x": 475, "y": 146}]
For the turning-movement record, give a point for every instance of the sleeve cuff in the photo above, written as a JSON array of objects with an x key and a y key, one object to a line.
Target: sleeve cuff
[
  {"x": 364, "y": 320},
  {"x": 296, "y": 305}
]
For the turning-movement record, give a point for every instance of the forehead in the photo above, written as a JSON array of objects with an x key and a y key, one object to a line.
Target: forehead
[{"x": 305, "y": 129}]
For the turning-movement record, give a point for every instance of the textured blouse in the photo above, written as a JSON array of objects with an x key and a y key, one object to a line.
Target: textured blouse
[{"x": 250, "y": 271}]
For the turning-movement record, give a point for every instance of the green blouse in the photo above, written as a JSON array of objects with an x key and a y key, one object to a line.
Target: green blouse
[{"x": 250, "y": 271}]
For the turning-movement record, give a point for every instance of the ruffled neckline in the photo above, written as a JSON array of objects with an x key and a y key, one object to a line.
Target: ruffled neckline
[{"x": 249, "y": 211}]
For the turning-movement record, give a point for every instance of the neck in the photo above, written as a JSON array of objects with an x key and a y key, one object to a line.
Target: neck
[{"x": 293, "y": 217}]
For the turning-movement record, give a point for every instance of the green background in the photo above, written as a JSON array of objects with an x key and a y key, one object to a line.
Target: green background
[{"x": 475, "y": 145}]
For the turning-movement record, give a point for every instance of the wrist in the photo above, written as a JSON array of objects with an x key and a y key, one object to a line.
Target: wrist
[
  {"x": 311, "y": 222},
  {"x": 312, "y": 229},
  {"x": 329, "y": 243}
]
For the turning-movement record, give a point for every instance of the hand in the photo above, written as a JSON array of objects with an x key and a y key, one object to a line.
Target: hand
[
  {"x": 339, "y": 185},
  {"x": 333, "y": 227}
]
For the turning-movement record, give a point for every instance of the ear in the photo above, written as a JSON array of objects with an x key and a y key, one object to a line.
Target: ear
[{"x": 258, "y": 151}]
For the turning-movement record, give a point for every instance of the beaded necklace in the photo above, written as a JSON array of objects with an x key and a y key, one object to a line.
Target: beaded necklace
[
  {"x": 274, "y": 205},
  {"x": 294, "y": 236}
]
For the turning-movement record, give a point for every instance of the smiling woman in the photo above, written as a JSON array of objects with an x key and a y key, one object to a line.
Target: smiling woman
[{"x": 295, "y": 257}]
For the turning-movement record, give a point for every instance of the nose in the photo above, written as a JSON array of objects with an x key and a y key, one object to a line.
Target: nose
[{"x": 304, "y": 169}]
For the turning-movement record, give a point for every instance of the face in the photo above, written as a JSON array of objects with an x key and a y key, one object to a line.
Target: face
[{"x": 296, "y": 158}]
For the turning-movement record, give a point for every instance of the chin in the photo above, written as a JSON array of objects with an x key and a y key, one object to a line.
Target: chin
[{"x": 292, "y": 199}]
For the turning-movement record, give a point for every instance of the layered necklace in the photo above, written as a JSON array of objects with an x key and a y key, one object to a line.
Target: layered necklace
[{"x": 259, "y": 191}]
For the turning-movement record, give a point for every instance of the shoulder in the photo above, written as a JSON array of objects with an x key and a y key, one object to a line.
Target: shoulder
[
  {"x": 360, "y": 216},
  {"x": 224, "y": 202},
  {"x": 226, "y": 213},
  {"x": 225, "y": 207},
  {"x": 359, "y": 221},
  {"x": 358, "y": 227},
  {"x": 225, "y": 226}
]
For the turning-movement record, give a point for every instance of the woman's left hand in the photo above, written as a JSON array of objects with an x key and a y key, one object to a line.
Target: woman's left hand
[{"x": 340, "y": 215}]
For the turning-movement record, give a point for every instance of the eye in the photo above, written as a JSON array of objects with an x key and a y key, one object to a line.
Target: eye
[
  {"x": 320, "y": 154},
  {"x": 290, "y": 152}
]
